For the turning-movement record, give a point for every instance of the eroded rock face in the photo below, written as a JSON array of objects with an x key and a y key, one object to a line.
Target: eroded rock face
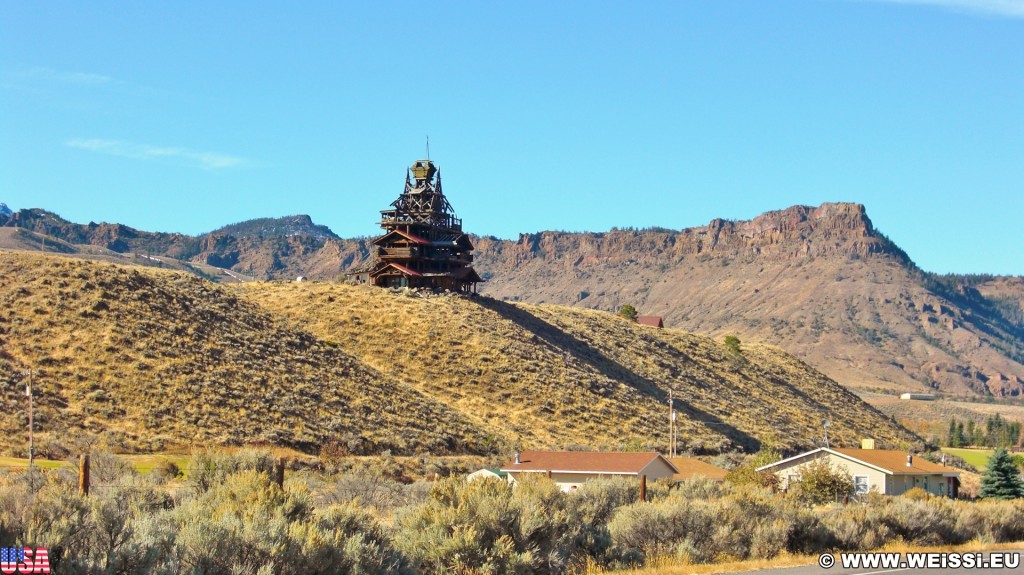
[{"x": 820, "y": 282}]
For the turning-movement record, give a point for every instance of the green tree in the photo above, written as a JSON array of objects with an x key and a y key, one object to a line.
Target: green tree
[
  {"x": 747, "y": 473},
  {"x": 955, "y": 436},
  {"x": 732, "y": 343},
  {"x": 629, "y": 312},
  {"x": 1002, "y": 479}
]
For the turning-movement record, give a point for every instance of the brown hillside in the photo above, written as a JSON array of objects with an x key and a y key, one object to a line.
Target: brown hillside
[
  {"x": 556, "y": 376},
  {"x": 142, "y": 359},
  {"x": 819, "y": 282}
]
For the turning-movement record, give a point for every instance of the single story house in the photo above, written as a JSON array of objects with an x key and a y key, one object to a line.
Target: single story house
[
  {"x": 883, "y": 471},
  {"x": 488, "y": 473},
  {"x": 570, "y": 469},
  {"x": 691, "y": 468}
]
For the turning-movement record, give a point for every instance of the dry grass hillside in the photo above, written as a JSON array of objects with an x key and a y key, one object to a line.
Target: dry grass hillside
[
  {"x": 557, "y": 376},
  {"x": 144, "y": 359},
  {"x": 141, "y": 359}
]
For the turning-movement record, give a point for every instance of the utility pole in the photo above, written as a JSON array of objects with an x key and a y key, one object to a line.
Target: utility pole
[
  {"x": 671, "y": 426},
  {"x": 31, "y": 444},
  {"x": 675, "y": 435}
]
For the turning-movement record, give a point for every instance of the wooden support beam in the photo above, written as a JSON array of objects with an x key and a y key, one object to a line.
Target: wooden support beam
[{"x": 643, "y": 488}]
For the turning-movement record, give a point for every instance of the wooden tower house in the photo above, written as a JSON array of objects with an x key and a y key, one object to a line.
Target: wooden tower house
[{"x": 423, "y": 245}]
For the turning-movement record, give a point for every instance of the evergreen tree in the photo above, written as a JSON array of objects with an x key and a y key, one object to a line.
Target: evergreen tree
[
  {"x": 629, "y": 312},
  {"x": 955, "y": 435},
  {"x": 1002, "y": 479}
]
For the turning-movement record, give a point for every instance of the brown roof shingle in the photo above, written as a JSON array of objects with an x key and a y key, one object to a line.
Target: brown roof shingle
[
  {"x": 895, "y": 461},
  {"x": 622, "y": 463},
  {"x": 689, "y": 468}
]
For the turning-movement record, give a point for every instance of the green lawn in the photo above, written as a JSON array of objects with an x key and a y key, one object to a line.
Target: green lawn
[
  {"x": 141, "y": 463},
  {"x": 14, "y": 462},
  {"x": 976, "y": 457}
]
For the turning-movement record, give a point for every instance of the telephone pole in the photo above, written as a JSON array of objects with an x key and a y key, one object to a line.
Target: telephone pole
[
  {"x": 31, "y": 444},
  {"x": 671, "y": 426}
]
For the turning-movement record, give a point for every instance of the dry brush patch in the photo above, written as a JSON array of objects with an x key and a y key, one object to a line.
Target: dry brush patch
[
  {"x": 142, "y": 360},
  {"x": 554, "y": 376}
]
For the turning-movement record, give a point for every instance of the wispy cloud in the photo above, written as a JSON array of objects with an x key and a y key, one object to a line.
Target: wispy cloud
[
  {"x": 205, "y": 160},
  {"x": 1005, "y": 8},
  {"x": 84, "y": 78}
]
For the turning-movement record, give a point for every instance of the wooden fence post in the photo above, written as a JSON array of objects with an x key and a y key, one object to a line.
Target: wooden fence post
[
  {"x": 279, "y": 472},
  {"x": 643, "y": 488},
  {"x": 83, "y": 474}
]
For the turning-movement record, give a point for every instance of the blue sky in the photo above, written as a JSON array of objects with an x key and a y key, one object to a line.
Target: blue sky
[{"x": 570, "y": 115}]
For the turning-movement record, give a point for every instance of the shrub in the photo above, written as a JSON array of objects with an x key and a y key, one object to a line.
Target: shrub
[
  {"x": 990, "y": 521},
  {"x": 489, "y": 526},
  {"x": 930, "y": 522},
  {"x": 855, "y": 528},
  {"x": 821, "y": 483}
]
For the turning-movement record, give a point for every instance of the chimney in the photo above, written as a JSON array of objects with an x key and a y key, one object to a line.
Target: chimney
[
  {"x": 517, "y": 458},
  {"x": 867, "y": 443},
  {"x": 910, "y": 460}
]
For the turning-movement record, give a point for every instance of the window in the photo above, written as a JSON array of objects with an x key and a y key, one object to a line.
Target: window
[{"x": 860, "y": 484}]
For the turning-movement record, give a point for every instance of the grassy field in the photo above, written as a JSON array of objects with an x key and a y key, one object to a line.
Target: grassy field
[
  {"x": 141, "y": 463},
  {"x": 976, "y": 457}
]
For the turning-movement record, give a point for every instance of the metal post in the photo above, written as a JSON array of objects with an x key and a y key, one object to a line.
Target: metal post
[{"x": 83, "y": 474}]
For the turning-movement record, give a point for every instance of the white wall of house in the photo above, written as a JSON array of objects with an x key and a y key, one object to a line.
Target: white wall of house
[
  {"x": 570, "y": 481},
  {"x": 875, "y": 480}
]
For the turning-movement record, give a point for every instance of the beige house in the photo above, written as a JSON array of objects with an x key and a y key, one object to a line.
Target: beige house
[
  {"x": 691, "y": 468},
  {"x": 487, "y": 473},
  {"x": 874, "y": 470},
  {"x": 570, "y": 469}
]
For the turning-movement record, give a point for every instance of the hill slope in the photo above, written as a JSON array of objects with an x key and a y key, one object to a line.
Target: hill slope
[
  {"x": 552, "y": 375},
  {"x": 141, "y": 359},
  {"x": 137, "y": 358},
  {"x": 819, "y": 282}
]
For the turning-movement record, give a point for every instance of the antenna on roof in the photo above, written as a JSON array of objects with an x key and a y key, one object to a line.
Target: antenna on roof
[{"x": 428, "y": 148}]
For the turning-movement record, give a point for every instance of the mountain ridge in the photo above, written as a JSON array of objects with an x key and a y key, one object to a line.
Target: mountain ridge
[{"x": 819, "y": 281}]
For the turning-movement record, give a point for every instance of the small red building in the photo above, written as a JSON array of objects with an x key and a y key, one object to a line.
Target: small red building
[{"x": 651, "y": 320}]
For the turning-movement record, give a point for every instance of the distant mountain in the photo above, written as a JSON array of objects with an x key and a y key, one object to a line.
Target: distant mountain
[
  {"x": 273, "y": 227},
  {"x": 266, "y": 248},
  {"x": 4, "y": 210},
  {"x": 821, "y": 282}
]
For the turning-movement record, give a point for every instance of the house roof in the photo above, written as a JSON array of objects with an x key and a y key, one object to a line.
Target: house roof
[
  {"x": 887, "y": 461},
  {"x": 651, "y": 320},
  {"x": 400, "y": 268},
  {"x": 689, "y": 468},
  {"x": 412, "y": 238},
  {"x": 597, "y": 462},
  {"x": 896, "y": 461}
]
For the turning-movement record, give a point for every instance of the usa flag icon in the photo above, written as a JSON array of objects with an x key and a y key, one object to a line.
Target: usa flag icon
[{"x": 24, "y": 560}]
